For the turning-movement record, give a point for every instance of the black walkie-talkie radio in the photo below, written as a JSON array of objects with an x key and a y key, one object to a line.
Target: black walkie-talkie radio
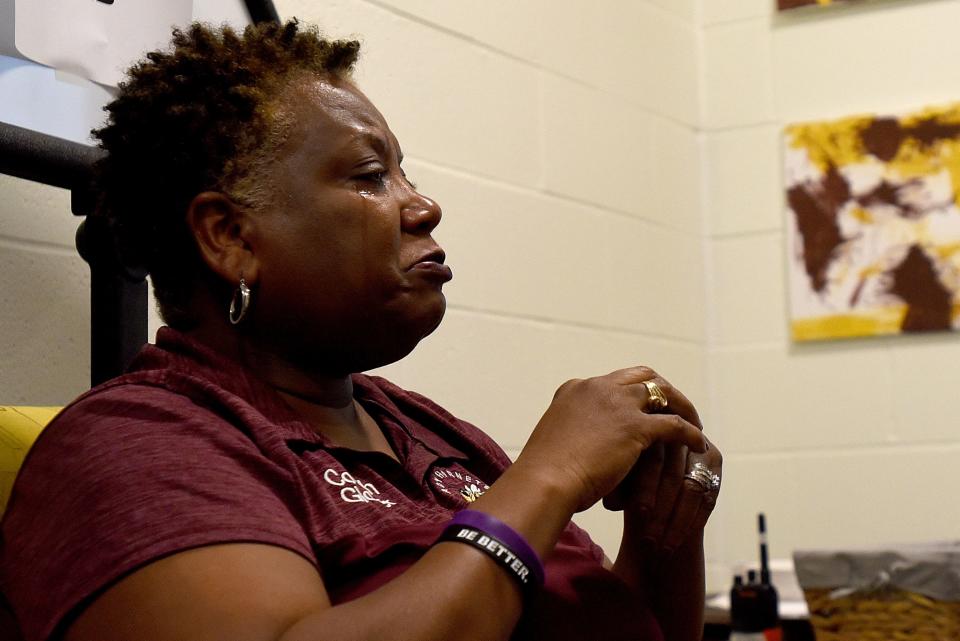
[{"x": 754, "y": 605}]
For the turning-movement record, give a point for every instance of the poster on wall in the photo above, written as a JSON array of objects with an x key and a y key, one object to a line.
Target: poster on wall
[
  {"x": 873, "y": 232},
  {"x": 784, "y": 5}
]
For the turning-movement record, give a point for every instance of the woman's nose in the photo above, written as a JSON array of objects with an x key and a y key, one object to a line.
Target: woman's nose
[{"x": 421, "y": 214}]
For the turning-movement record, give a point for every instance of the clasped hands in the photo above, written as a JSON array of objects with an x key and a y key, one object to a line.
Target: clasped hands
[
  {"x": 603, "y": 438},
  {"x": 668, "y": 494}
]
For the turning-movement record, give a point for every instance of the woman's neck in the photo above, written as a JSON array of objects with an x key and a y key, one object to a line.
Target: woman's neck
[
  {"x": 323, "y": 400},
  {"x": 312, "y": 384}
]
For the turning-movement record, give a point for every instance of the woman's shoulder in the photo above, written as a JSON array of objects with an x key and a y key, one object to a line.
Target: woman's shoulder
[
  {"x": 132, "y": 403},
  {"x": 134, "y": 426},
  {"x": 130, "y": 472}
]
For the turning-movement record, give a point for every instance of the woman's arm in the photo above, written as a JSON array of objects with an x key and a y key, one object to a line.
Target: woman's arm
[
  {"x": 255, "y": 592},
  {"x": 673, "y": 584},
  {"x": 586, "y": 442}
]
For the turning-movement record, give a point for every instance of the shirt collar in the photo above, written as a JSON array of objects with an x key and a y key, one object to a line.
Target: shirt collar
[{"x": 198, "y": 363}]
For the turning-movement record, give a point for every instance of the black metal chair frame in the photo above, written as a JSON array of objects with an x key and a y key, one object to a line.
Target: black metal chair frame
[{"x": 118, "y": 295}]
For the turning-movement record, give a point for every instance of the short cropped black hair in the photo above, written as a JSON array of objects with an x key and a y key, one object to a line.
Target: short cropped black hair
[{"x": 194, "y": 118}]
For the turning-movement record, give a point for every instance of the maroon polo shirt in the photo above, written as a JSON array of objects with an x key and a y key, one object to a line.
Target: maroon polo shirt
[{"x": 190, "y": 449}]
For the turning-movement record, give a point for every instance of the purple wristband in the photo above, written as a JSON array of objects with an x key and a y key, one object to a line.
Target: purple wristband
[{"x": 502, "y": 536}]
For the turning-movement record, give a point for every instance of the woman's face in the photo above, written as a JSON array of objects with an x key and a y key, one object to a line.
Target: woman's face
[{"x": 349, "y": 275}]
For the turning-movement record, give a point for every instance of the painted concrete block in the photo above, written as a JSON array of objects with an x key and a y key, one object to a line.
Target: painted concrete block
[
  {"x": 45, "y": 316},
  {"x": 748, "y": 296},
  {"x": 782, "y": 398},
  {"x": 33, "y": 212},
  {"x": 737, "y": 74},
  {"x": 447, "y": 99},
  {"x": 717, "y": 11},
  {"x": 743, "y": 182},
  {"x": 867, "y": 60}
]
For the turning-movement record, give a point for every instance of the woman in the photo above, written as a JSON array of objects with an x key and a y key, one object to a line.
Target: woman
[{"x": 243, "y": 482}]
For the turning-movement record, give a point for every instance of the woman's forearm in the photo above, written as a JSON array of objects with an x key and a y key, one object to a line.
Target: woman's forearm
[
  {"x": 673, "y": 585},
  {"x": 257, "y": 592},
  {"x": 454, "y": 591}
]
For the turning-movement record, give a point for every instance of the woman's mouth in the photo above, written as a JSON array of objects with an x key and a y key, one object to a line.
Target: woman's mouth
[{"x": 431, "y": 265}]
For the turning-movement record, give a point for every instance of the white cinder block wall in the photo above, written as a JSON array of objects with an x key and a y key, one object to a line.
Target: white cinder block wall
[
  {"x": 44, "y": 297},
  {"x": 842, "y": 443}
]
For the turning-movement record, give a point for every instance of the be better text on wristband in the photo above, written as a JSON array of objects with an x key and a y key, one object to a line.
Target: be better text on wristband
[{"x": 498, "y": 541}]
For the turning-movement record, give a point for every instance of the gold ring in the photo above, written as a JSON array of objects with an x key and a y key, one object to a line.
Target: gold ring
[{"x": 656, "y": 400}]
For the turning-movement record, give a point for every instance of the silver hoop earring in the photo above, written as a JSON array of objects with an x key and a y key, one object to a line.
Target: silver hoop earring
[{"x": 241, "y": 300}]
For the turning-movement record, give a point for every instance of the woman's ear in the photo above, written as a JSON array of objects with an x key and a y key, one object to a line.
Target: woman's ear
[{"x": 222, "y": 231}]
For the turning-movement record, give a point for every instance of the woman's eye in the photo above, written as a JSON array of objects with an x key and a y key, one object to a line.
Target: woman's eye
[{"x": 377, "y": 178}]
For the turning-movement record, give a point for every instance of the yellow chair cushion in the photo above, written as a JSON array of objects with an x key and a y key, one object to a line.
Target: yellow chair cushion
[{"x": 19, "y": 428}]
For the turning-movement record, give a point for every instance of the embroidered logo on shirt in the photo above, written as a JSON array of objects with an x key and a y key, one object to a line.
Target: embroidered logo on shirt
[
  {"x": 468, "y": 487},
  {"x": 354, "y": 490}
]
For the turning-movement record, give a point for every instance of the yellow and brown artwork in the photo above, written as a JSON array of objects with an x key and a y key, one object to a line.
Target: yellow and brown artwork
[
  {"x": 783, "y": 5},
  {"x": 874, "y": 224}
]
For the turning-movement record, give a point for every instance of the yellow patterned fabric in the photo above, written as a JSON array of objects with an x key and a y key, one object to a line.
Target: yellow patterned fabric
[{"x": 19, "y": 428}]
